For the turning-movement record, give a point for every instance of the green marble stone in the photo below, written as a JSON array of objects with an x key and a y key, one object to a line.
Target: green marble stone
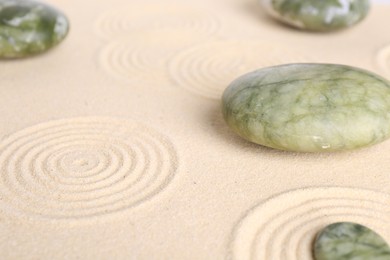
[
  {"x": 309, "y": 107},
  {"x": 29, "y": 27},
  {"x": 350, "y": 241},
  {"x": 318, "y": 15}
]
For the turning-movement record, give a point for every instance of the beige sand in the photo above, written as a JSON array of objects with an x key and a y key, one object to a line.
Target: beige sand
[{"x": 113, "y": 146}]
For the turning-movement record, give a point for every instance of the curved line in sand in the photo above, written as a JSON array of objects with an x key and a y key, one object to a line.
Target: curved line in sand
[
  {"x": 156, "y": 17},
  {"x": 208, "y": 69},
  {"x": 83, "y": 167},
  {"x": 285, "y": 226}
]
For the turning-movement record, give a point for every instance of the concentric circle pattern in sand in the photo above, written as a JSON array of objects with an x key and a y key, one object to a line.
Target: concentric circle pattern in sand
[
  {"x": 383, "y": 60},
  {"x": 285, "y": 226},
  {"x": 156, "y": 17},
  {"x": 208, "y": 69},
  {"x": 145, "y": 56},
  {"x": 83, "y": 167}
]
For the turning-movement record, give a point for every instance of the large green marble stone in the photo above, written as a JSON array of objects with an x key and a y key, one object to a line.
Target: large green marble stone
[
  {"x": 29, "y": 27},
  {"x": 309, "y": 107},
  {"x": 350, "y": 241},
  {"x": 318, "y": 15}
]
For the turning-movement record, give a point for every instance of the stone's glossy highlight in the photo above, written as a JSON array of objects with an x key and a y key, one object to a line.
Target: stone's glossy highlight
[
  {"x": 29, "y": 27},
  {"x": 318, "y": 15},
  {"x": 350, "y": 241},
  {"x": 309, "y": 107}
]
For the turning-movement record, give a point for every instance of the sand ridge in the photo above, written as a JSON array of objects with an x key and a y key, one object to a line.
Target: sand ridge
[
  {"x": 285, "y": 226},
  {"x": 119, "y": 22},
  {"x": 383, "y": 59},
  {"x": 208, "y": 68},
  {"x": 83, "y": 167}
]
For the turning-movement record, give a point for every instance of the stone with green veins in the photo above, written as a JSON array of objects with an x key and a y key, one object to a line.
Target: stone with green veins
[
  {"x": 350, "y": 241},
  {"x": 309, "y": 107},
  {"x": 29, "y": 27},
  {"x": 318, "y": 15}
]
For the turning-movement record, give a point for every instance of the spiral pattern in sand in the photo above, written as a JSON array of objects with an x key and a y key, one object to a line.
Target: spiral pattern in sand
[
  {"x": 383, "y": 60},
  {"x": 208, "y": 69},
  {"x": 83, "y": 167},
  {"x": 156, "y": 17},
  {"x": 145, "y": 56},
  {"x": 285, "y": 226}
]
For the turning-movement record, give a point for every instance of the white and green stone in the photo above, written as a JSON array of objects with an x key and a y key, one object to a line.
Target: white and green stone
[
  {"x": 29, "y": 27},
  {"x": 350, "y": 241},
  {"x": 309, "y": 107},
  {"x": 318, "y": 15}
]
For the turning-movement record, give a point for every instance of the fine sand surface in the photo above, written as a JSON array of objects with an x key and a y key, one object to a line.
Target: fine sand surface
[{"x": 112, "y": 145}]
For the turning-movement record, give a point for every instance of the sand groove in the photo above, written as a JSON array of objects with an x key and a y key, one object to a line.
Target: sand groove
[
  {"x": 156, "y": 17},
  {"x": 383, "y": 60},
  {"x": 285, "y": 226},
  {"x": 207, "y": 69},
  {"x": 145, "y": 56},
  {"x": 83, "y": 167}
]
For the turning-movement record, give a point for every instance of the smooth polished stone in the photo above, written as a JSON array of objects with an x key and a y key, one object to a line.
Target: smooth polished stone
[
  {"x": 342, "y": 241},
  {"x": 29, "y": 27},
  {"x": 318, "y": 15},
  {"x": 309, "y": 107}
]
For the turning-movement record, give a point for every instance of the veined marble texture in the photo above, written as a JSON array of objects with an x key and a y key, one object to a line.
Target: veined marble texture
[
  {"x": 325, "y": 15},
  {"x": 347, "y": 240},
  {"x": 29, "y": 27},
  {"x": 309, "y": 107}
]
